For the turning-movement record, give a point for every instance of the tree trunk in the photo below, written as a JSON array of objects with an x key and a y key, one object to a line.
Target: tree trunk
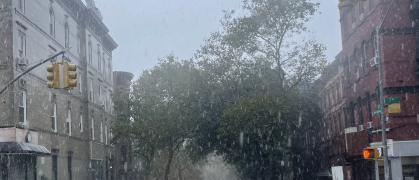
[
  {"x": 169, "y": 162},
  {"x": 148, "y": 166}
]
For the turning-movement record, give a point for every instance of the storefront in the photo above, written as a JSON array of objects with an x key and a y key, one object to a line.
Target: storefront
[
  {"x": 18, "y": 153},
  {"x": 404, "y": 162}
]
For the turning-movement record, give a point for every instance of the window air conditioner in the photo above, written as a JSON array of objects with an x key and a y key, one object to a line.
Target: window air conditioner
[
  {"x": 22, "y": 61},
  {"x": 373, "y": 61},
  {"x": 369, "y": 125},
  {"x": 361, "y": 127}
]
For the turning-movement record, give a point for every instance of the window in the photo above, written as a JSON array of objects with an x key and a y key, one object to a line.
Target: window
[
  {"x": 54, "y": 117},
  {"x": 361, "y": 10},
  {"x": 344, "y": 23},
  {"x": 78, "y": 42},
  {"x": 68, "y": 124},
  {"x": 54, "y": 167},
  {"x": 110, "y": 69},
  {"x": 20, "y": 5},
  {"x": 99, "y": 61},
  {"x": 81, "y": 123},
  {"x": 371, "y": 4},
  {"x": 101, "y": 132},
  {"x": 80, "y": 80},
  {"x": 22, "y": 106},
  {"x": 67, "y": 34},
  {"x": 90, "y": 52},
  {"x": 106, "y": 133},
  {"x": 104, "y": 65},
  {"x": 92, "y": 128},
  {"x": 21, "y": 43},
  {"x": 51, "y": 22},
  {"x": 91, "y": 90},
  {"x": 353, "y": 17}
]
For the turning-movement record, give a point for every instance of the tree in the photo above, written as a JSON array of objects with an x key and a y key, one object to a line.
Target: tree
[{"x": 159, "y": 109}]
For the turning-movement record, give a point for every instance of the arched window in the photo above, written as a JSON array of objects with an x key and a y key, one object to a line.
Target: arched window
[
  {"x": 90, "y": 52},
  {"x": 51, "y": 22},
  {"x": 99, "y": 61},
  {"x": 67, "y": 34}
]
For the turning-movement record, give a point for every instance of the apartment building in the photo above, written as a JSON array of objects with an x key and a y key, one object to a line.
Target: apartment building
[
  {"x": 55, "y": 133},
  {"x": 398, "y": 48}
]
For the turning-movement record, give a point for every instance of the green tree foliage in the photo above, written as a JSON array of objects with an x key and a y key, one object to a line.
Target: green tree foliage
[{"x": 257, "y": 133}]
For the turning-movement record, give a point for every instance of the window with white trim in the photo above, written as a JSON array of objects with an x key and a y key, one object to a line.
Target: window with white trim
[
  {"x": 91, "y": 90},
  {"x": 104, "y": 65},
  {"x": 92, "y": 129},
  {"x": 68, "y": 124},
  {"x": 21, "y": 44},
  {"x": 106, "y": 133},
  {"x": 22, "y": 106},
  {"x": 20, "y": 5},
  {"x": 89, "y": 46},
  {"x": 101, "y": 132},
  {"x": 51, "y": 22},
  {"x": 54, "y": 117},
  {"x": 78, "y": 42},
  {"x": 81, "y": 123},
  {"x": 67, "y": 34},
  {"x": 80, "y": 80},
  {"x": 99, "y": 62}
]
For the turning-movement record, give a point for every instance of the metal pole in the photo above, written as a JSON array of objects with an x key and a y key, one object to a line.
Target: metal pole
[
  {"x": 30, "y": 69},
  {"x": 383, "y": 122}
]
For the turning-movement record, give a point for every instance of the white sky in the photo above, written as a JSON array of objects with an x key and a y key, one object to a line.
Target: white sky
[{"x": 146, "y": 30}]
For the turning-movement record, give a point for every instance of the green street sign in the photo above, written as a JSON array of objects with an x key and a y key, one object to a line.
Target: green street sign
[
  {"x": 391, "y": 100},
  {"x": 378, "y": 107},
  {"x": 377, "y": 112}
]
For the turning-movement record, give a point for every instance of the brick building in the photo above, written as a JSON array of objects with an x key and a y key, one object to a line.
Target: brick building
[
  {"x": 55, "y": 133},
  {"x": 358, "y": 84}
]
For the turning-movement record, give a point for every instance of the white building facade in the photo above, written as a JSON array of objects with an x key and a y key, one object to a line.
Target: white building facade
[{"x": 55, "y": 133}]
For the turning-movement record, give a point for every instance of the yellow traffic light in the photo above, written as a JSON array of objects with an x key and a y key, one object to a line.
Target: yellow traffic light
[
  {"x": 373, "y": 153},
  {"x": 69, "y": 75},
  {"x": 54, "y": 76}
]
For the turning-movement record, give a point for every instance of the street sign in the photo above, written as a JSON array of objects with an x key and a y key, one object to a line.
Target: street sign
[
  {"x": 390, "y": 147},
  {"x": 378, "y": 107},
  {"x": 394, "y": 108},
  {"x": 391, "y": 100},
  {"x": 377, "y": 112}
]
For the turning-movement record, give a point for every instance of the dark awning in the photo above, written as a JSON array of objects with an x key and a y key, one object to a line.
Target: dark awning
[{"x": 23, "y": 148}]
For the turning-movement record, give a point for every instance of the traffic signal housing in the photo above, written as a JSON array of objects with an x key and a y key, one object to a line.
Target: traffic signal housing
[
  {"x": 53, "y": 76},
  {"x": 69, "y": 75},
  {"x": 373, "y": 153}
]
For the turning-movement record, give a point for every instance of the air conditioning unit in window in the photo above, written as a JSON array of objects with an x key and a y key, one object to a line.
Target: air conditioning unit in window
[
  {"x": 373, "y": 61},
  {"x": 361, "y": 17},
  {"x": 361, "y": 127},
  {"x": 102, "y": 103},
  {"x": 22, "y": 61},
  {"x": 369, "y": 125}
]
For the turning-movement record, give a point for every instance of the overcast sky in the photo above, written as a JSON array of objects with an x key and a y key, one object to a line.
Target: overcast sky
[{"x": 147, "y": 30}]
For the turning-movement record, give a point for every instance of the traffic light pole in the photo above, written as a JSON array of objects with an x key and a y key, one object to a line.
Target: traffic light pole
[
  {"x": 31, "y": 68},
  {"x": 383, "y": 122}
]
